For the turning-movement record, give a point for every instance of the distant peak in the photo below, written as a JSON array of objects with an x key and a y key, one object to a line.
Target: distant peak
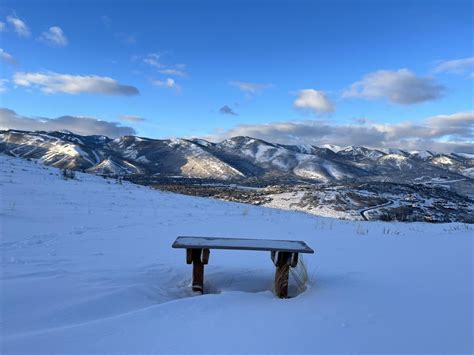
[{"x": 65, "y": 131}]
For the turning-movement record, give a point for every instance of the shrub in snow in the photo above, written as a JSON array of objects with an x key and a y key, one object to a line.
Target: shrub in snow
[{"x": 68, "y": 174}]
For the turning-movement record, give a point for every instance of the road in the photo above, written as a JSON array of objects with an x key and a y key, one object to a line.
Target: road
[{"x": 362, "y": 213}]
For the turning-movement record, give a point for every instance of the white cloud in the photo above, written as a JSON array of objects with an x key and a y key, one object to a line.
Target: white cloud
[
  {"x": 460, "y": 125},
  {"x": 3, "y": 87},
  {"x": 2, "y": 26},
  {"x": 168, "y": 83},
  {"x": 51, "y": 83},
  {"x": 439, "y": 133},
  {"x": 19, "y": 26},
  {"x": 9, "y": 119},
  {"x": 153, "y": 60},
  {"x": 54, "y": 36},
  {"x": 171, "y": 71},
  {"x": 106, "y": 21},
  {"x": 464, "y": 66},
  {"x": 252, "y": 88},
  {"x": 131, "y": 118},
  {"x": 400, "y": 87},
  {"x": 7, "y": 57},
  {"x": 313, "y": 100},
  {"x": 126, "y": 38}
]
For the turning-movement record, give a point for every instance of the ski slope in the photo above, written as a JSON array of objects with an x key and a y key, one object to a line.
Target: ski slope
[{"x": 87, "y": 267}]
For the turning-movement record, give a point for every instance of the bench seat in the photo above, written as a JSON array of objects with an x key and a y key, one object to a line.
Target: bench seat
[
  {"x": 291, "y": 246},
  {"x": 284, "y": 254}
]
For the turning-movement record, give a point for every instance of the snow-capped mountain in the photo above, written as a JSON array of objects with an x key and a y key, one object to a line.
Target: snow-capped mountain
[{"x": 237, "y": 158}]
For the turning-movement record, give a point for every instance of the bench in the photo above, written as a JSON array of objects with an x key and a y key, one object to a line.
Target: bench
[{"x": 284, "y": 254}]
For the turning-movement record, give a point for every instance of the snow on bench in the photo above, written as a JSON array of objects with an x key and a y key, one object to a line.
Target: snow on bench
[
  {"x": 284, "y": 254},
  {"x": 292, "y": 246}
]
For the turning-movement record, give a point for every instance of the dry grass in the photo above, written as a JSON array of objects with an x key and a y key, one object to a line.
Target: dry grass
[
  {"x": 362, "y": 230},
  {"x": 300, "y": 275}
]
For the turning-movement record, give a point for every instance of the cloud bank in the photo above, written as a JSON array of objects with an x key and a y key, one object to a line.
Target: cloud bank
[
  {"x": 444, "y": 133},
  {"x": 9, "y": 119},
  {"x": 52, "y": 83},
  {"x": 400, "y": 87}
]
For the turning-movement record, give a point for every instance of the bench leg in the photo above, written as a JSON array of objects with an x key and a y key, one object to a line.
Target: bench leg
[
  {"x": 198, "y": 271},
  {"x": 198, "y": 277},
  {"x": 281, "y": 274}
]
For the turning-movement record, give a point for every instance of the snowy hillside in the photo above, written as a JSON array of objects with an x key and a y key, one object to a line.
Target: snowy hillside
[{"x": 87, "y": 268}]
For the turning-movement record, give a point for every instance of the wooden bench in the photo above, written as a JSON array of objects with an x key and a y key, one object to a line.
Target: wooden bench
[{"x": 284, "y": 254}]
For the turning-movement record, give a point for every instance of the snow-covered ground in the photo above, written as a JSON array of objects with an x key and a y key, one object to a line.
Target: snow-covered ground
[
  {"x": 87, "y": 267},
  {"x": 292, "y": 201}
]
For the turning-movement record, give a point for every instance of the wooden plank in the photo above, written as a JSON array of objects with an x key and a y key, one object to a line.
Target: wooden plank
[
  {"x": 198, "y": 271},
  {"x": 198, "y": 277},
  {"x": 205, "y": 256},
  {"x": 293, "y": 246},
  {"x": 294, "y": 260},
  {"x": 189, "y": 256},
  {"x": 281, "y": 274}
]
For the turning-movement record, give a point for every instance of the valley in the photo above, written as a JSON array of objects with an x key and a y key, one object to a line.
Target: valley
[{"x": 343, "y": 182}]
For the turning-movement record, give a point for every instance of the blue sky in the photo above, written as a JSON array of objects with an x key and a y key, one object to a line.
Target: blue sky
[{"x": 212, "y": 69}]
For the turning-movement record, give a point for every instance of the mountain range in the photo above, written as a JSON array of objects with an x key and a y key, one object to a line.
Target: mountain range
[
  {"x": 234, "y": 159},
  {"x": 346, "y": 182}
]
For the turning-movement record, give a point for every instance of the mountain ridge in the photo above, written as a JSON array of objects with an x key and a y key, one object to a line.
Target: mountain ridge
[
  {"x": 346, "y": 182},
  {"x": 236, "y": 158}
]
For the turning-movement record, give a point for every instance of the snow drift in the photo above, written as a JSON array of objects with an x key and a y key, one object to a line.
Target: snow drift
[{"x": 87, "y": 267}]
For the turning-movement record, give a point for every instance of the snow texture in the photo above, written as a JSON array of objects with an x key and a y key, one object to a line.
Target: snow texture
[{"x": 87, "y": 268}]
